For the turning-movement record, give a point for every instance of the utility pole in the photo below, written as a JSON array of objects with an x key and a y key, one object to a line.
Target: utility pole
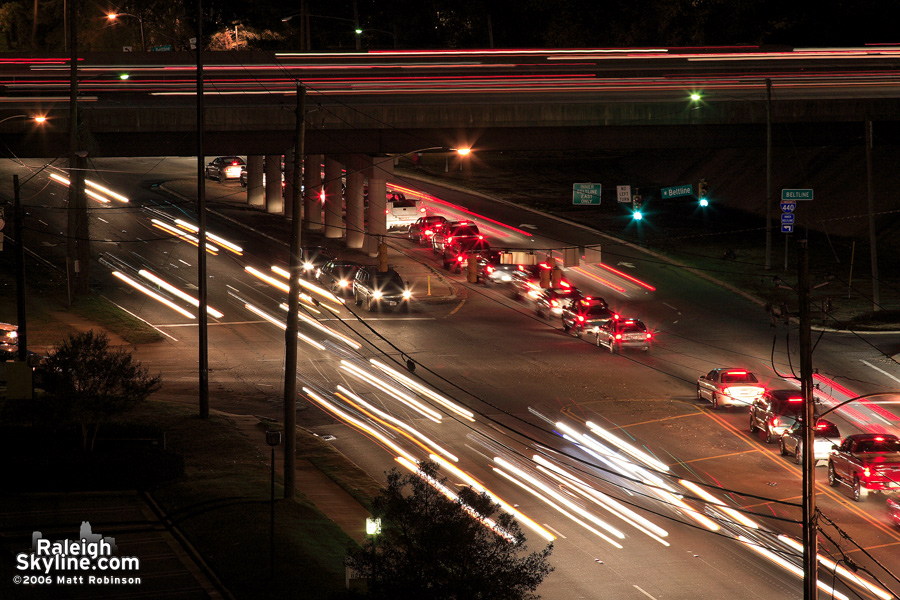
[
  {"x": 810, "y": 541},
  {"x": 870, "y": 197},
  {"x": 292, "y": 325},
  {"x": 768, "y": 174},
  {"x": 203, "y": 341},
  {"x": 18, "y": 228},
  {"x": 71, "y": 246}
]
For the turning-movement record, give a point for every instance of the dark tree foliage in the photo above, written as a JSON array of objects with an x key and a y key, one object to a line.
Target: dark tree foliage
[
  {"x": 430, "y": 548},
  {"x": 90, "y": 382}
]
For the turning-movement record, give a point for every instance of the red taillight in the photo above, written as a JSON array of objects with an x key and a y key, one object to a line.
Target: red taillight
[
  {"x": 821, "y": 426},
  {"x": 460, "y": 258},
  {"x": 564, "y": 284},
  {"x": 879, "y": 439},
  {"x": 234, "y": 164},
  {"x": 774, "y": 421},
  {"x": 616, "y": 317},
  {"x": 554, "y": 303},
  {"x": 580, "y": 318},
  {"x": 480, "y": 237},
  {"x": 736, "y": 373},
  {"x": 429, "y": 233},
  {"x": 386, "y": 211},
  {"x": 649, "y": 335},
  {"x": 618, "y": 336},
  {"x": 795, "y": 399},
  {"x": 422, "y": 209},
  {"x": 867, "y": 472},
  {"x": 490, "y": 269}
]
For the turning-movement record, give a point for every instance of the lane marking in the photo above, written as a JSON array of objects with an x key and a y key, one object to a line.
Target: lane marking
[
  {"x": 140, "y": 319},
  {"x": 458, "y": 306},
  {"x": 882, "y": 371},
  {"x": 718, "y": 456},
  {"x": 558, "y": 534},
  {"x": 638, "y": 588}
]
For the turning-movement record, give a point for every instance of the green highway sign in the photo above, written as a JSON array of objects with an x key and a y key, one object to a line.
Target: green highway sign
[
  {"x": 796, "y": 194},
  {"x": 586, "y": 193},
  {"x": 678, "y": 190}
]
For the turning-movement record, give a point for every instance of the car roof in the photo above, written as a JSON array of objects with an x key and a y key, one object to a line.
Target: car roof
[{"x": 784, "y": 395}]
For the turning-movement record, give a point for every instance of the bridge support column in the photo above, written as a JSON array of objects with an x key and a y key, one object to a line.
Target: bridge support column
[
  {"x": 377, "y": 172},
  {"x": 356, "y": 217},
  {"x": 312, "y": 184},
  {"x": 274, "y": 200},
  {"x": 255, "y": 193},
  {"x": 334, "y": 200},
  {"x": 288, "y": 182}
]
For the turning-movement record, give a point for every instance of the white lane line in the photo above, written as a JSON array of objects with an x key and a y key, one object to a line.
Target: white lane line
[
  {"x": 672, "y": 307},
  {"x": 643, "y": 592},
  {"x": 140, "y": 319},
  {"x": 882, "y": 371},
  {"x": 558, "y": 534}
]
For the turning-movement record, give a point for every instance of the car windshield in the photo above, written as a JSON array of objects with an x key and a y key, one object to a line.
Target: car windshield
[
  {"x": 465, "y": 230},
  {"x": 401, "y": 202},
  {"x": 473, "y": 244},
  {"x": 387, "y": 282},
  {"x": 785, "y": 407},
  {"x": 739, "y": 378},
  {"x": 878, "y": 445},
  {"x": 828, "y": 430}
]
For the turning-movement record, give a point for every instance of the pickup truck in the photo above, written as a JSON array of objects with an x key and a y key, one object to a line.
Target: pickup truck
[
  {"x": 866, "y": 461},
  {"x": 401, "y": 212}
]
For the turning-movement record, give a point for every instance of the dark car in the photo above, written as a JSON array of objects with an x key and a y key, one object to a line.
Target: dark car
[
  {"x": 551, "y": 301},
  {"x": 525, "y": 282},
  {"x": 337, "y": 275},
  {"x": 312, "y": 258},
  {"x": 453, "y": 230},
  {"x": 586, "y": 315},
  {"x": 375, "y": 290},
  {"x": 424, "y": 229},
  {"x": 225, "y": 167},
  {"x": 457, "y": 251},
  {"x": 617, "y": 334},
  {"x": 826, "y": 435},
  {"x": 775, "y": 411}
]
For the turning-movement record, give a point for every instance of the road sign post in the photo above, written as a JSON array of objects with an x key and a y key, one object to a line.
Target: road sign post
[{"x": 586, "y": 194}]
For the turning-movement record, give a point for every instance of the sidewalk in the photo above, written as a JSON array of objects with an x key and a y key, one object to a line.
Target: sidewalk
[{"x": 228, "y": 202}]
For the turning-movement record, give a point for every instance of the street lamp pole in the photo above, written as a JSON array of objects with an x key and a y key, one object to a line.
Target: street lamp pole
[{"x": 114, "y": 16}]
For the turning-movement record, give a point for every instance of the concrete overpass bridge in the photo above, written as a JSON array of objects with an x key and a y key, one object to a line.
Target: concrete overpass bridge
[{"x": 362, "y": 107}]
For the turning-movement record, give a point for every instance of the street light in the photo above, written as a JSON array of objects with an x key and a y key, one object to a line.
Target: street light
[
  {"x": 35, "y": 118},
  {"x": 114, "y": 16},
  {"x": 360, "y": 31}
]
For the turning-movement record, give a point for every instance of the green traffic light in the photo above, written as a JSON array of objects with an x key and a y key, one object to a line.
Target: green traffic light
[
  {"x": 695, "y": 96},
  {"x": 123, "y": 76}
]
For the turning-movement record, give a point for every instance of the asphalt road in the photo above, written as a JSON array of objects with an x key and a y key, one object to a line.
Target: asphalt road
[{"x": 526, "y": 381}]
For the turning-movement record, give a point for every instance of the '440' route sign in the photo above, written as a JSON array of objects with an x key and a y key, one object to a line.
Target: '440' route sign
[{"x": 586, "y": 193}]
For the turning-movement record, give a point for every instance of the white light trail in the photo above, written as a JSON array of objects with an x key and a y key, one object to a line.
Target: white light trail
[
  {"x": 210, "y": 236},
  {"x": 348, "y": 418},
  {"x": 282, "y": 325},
  {"x": 136, "y": 285},
  {"x": 182, "y": 235},
  {"x": 414, "y": 404},
  {"x": 639, "y": 454},
  {"x": 489, "y": 523},
  {"x": 546, "y": 489},
  {"x": 270, "y": 280},
  {"x": 503, "y": 504},
  {"x": 308, "y": 285},
  {"x": 734, "y": 514},
  {"x": 833, "y": 566},
  {"x": 673, "y": 499},
  {"x": 627, "y": 515},
  {"x": 466, "y": 414},
  {"x": 785, "y": 564},
  {"x": 106, "y": 191},
  {"x": 173, "y": 290},
  {"x": 555, "y": 506},
  {"x": 388, "y": 417},
  {"x": 327, "y": 330}
]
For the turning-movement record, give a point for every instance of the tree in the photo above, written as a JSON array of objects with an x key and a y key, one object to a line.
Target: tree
[
  {"x": 432, "y": 547},
  {"x": 92, "y": 382}
]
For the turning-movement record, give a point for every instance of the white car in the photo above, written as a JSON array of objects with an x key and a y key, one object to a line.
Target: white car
[
  {"x": 826, "y": 435},
  {"x": 729, "y": 387}
]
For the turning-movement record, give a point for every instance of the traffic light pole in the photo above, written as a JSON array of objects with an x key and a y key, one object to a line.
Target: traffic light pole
[{"x": 810, "y": 540}]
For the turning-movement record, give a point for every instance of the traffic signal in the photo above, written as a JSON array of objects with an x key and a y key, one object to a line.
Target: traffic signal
[
  {"x": 703, "y": 192},
  {"x": 637, "y": 202}
]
